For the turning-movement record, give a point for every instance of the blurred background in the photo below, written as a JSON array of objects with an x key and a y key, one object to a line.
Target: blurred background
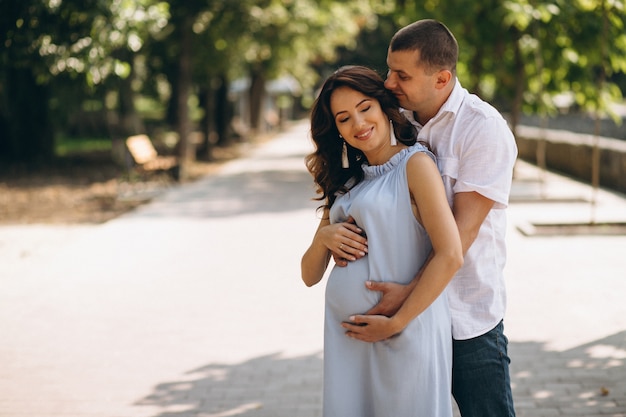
[
  {"x": 192, "y": 305},
  {"x": 78, "y": 77}
]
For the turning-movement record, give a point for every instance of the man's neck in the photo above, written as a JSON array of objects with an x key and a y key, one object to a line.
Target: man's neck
[{"x": 445, "y": 95}]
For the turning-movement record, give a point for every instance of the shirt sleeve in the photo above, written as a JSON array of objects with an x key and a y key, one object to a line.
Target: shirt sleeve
[{"x": 487, "y": 159}]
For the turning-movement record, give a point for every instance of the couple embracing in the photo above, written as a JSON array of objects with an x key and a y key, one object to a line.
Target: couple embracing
[{"x": 414, "y": 174}]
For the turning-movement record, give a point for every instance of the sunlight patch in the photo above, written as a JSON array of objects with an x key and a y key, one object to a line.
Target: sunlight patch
[
  {"x": 606, "y": 351},
  {"x": 235, "y": 411},
  {"x": 540, "y": 395}
]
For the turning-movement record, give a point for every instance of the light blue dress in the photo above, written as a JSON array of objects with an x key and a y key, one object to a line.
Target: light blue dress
[{"x": 408, "y": 375}]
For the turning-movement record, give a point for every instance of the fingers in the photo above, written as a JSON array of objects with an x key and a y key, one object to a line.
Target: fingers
[
  {"x": 351, "y": 245},
  {"x": 367, "y": 328},
  {"x": 354, "y": 328},
  {"x": 341, "y": 262},
  {"x": 377, "y": 286},
  {"x": 357, "y": 320},
  {"x": 393, "y": 296},
  {"x": 352, "y": 241},
  {"x": 345, "y": 241},
  {"x": 350, "y": 224},
  {"x": 344, "y": 254},
  {"x": 355, "y": 232},
  {"x": 352, "y": 251},
  {"x": 339, "y": 259},
  {"x": 338, "y": 234}
]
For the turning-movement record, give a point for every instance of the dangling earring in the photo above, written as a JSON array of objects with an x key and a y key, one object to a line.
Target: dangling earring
[
  {"x": 394, "y": 141},
  {"x": 345, "y": 163}
]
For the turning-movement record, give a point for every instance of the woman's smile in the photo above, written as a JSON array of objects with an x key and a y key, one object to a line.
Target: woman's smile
[{"x": 365, "y": 134}]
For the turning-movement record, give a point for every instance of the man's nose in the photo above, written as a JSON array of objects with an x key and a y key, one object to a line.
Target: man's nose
[{"x": 390, "y": 82}]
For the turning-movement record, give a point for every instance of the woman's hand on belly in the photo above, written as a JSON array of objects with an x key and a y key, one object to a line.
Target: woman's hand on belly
[{"x": 350, "y": 241}]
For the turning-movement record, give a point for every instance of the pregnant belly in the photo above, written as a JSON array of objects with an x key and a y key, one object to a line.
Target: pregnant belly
[{"x": 346, "y": 293}]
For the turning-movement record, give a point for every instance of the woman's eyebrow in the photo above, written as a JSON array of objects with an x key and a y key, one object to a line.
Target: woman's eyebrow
[{"x": 357, "y": 105}]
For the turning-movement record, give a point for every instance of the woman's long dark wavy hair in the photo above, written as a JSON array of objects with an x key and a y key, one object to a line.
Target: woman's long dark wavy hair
[{"x": 325, "y": 163}]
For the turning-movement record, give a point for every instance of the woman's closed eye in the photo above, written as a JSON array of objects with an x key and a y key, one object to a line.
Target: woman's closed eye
[{"x": 362, "y": 107}]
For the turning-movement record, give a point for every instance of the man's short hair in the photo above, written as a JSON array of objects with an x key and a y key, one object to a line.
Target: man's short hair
[{"x": 436, "y": 44}]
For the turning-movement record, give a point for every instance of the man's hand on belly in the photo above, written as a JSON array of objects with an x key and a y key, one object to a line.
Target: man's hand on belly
[
  {"x": 393, "y": 295},
  {"x": 369, "y": 328}
]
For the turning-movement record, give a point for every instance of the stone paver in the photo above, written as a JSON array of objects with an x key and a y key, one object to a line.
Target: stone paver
[
  {"x": 193, "y": 305},
  {"x": 566, "y": 321}
]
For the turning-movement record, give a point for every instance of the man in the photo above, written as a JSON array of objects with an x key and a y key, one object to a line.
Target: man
[{"x": 476, "y": 152}]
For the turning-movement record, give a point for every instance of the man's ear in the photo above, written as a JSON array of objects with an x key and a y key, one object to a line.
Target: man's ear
[{"x": 443, "y": 79}]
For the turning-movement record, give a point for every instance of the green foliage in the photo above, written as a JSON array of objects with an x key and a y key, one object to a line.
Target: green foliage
[
  {"x": 541, "y": 48},
  {"x": 79, "y": 36},
  {"x": 520, "y": 54},
  {"x": 71, "y": 146},
  {"x": 286, "y": 37}
]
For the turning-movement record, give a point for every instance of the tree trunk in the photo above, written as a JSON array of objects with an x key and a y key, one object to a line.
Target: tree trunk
[
  {"x": 257, "y": 94},
  {"x": 26, "y": 133},
  {"x": 520, "y": 76},
  {"x": 207, "y": 102},
  {"x": 595, "y": 151},
  {"x": 217, "y": 116},
  {"x": 540, "y": 154},
  {"x": 184, "y": 89},
  {"x": 171, "y": 112},
  {"x": 130, "y": 122},
  {"x": 223, "y": 112},
  {"x": 516, "y": 105}
]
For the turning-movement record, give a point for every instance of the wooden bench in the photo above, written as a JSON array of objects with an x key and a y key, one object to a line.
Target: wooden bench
[{"x": 146, "y": 159}]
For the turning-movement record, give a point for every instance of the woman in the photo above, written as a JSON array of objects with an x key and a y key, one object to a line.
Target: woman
[{"x": 387, "y": 194}]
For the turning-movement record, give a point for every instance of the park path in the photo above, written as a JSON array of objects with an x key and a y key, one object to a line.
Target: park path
[{"x": 192, "y": 305}]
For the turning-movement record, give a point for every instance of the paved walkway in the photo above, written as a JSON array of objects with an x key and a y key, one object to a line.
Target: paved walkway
[{"x": 193, "y": 305}]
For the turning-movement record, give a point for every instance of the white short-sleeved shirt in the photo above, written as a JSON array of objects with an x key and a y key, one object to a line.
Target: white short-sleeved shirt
[{"x": 476, "y": 151}]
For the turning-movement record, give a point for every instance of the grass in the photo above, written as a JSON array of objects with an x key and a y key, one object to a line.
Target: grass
[{"x": 65, "y": 146}]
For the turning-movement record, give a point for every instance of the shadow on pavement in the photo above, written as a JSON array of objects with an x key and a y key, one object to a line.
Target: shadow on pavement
[
  {"x": 265, "y": 386},
  {"x": 587, "y": 380},
  {"x": 267, "y": 191}
]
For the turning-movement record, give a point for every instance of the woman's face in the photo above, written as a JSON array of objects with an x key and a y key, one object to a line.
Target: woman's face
[{"x": 360, "y": 119}]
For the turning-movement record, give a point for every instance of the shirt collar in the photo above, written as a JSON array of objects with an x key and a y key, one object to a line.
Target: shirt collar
[{"x": 454, "y": 101}]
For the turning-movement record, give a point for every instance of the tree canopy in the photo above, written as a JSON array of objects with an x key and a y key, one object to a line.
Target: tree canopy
[{"x": 116, "y": 67}]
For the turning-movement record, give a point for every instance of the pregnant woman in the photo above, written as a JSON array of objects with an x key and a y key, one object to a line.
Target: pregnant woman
[{"x": 382, "y": 189}]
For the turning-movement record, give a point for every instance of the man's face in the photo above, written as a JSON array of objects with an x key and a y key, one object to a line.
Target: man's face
[{"x": 410, "y": 82}]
